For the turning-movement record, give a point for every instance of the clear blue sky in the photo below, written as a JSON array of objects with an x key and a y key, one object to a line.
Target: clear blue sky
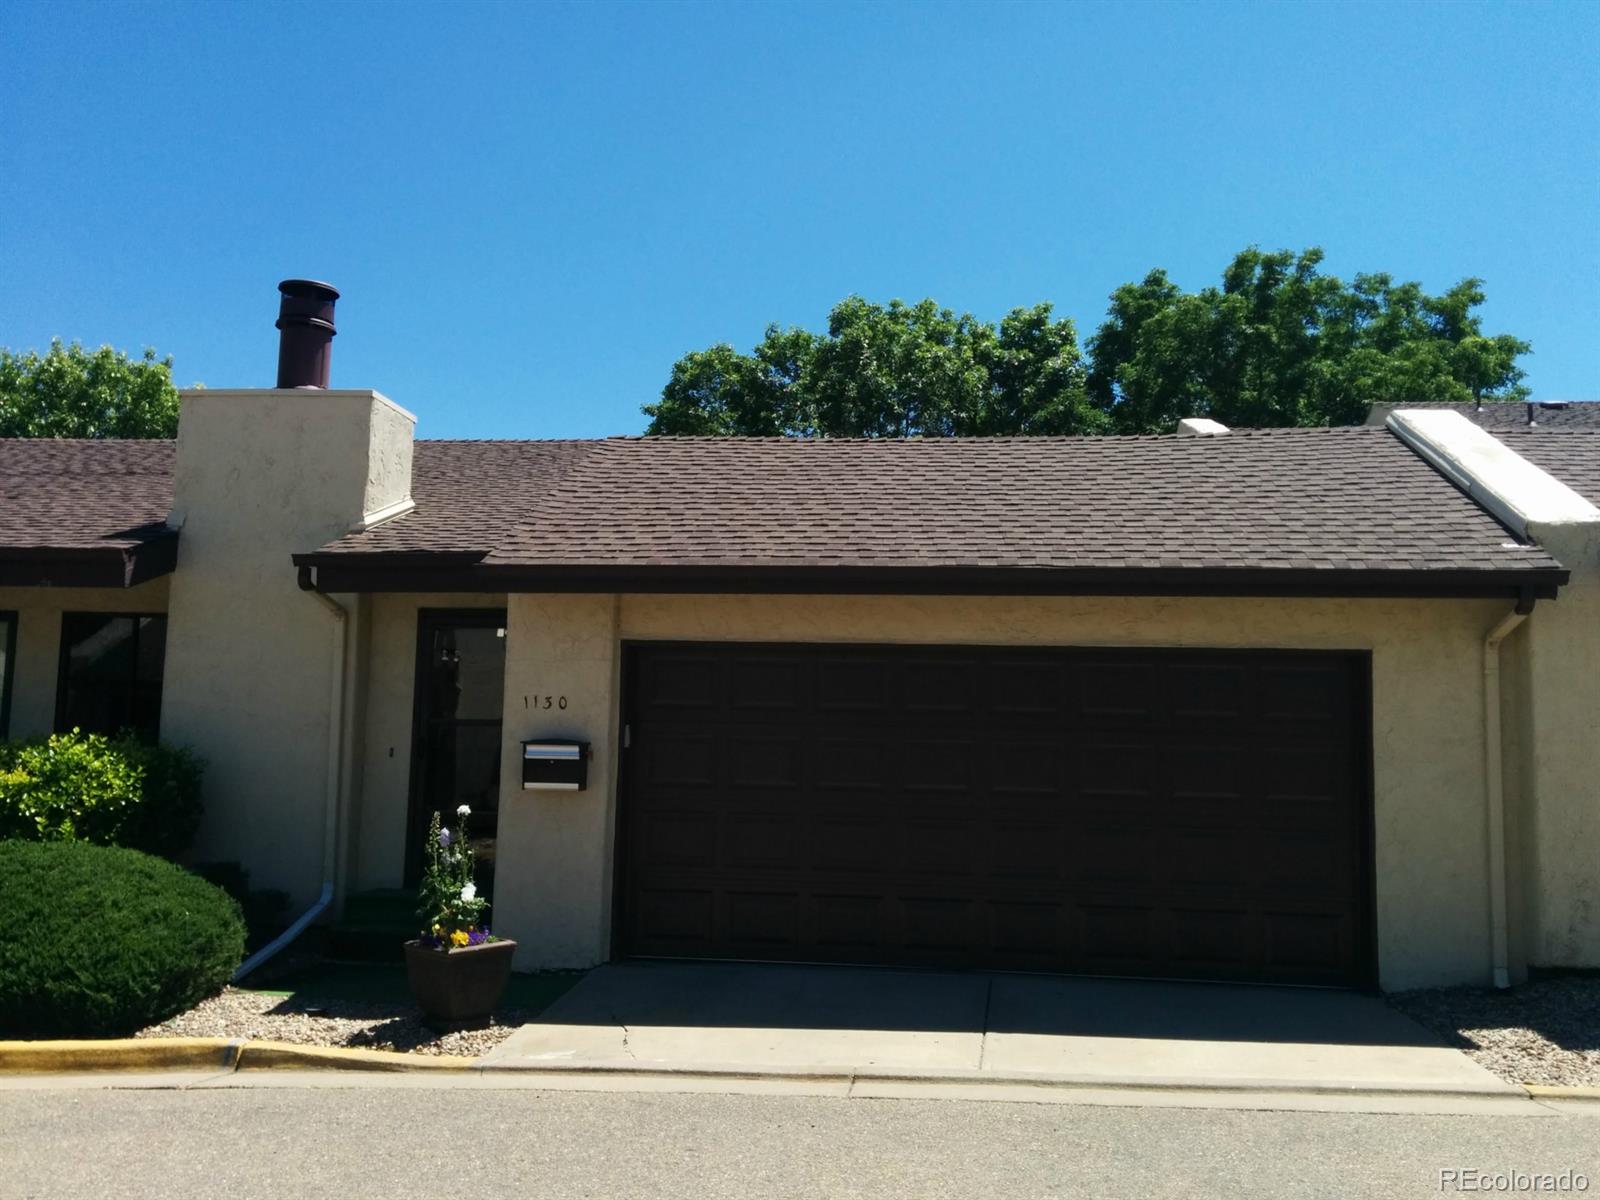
[{"x": 533, "y": 210}]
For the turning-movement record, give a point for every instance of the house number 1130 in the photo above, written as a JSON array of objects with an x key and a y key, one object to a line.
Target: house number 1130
[{"x": 544, "y": 702}]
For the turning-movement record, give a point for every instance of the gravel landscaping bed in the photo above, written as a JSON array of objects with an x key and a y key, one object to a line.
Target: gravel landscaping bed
[
  {"x": 367, "y": 1026},
  {"x": 1546, "y": 1032}
]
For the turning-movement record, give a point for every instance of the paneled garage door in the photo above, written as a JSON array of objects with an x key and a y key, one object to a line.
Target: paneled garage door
[{"x": 1175, "y": 813}]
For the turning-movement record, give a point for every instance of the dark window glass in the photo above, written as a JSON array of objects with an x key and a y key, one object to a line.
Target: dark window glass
[
  {"x": 8, "y": 653},
  {"x": 111, "y": 673},
  {"x": 460, "y": 697}
]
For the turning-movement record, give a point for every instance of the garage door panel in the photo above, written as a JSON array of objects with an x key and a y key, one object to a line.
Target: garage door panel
[
  {"x": 763, "y": 840},
  {"x": 859, "y": 686},
  {"x": 678, "y": 682},
  {"x": 1032, "y": 768},
  {"x": 945, "y": 765},
  {"x": 1175, "y": 813},
  {"x": 1118, "y": 691},
  {"x": 1114, "y": 769},
  {"x": 941, "y": 849},
  {"x": 761, "y": 922},
  {"x": 847, "y": 923},
  {"x": 763, "y": 762},
  {"x": 678, "y": 839},
  {"x": 767, "y": 685},
  {"x": 679, "y": 758},
  {"x": 1206, "y": 940},
  {"x": 939, "y": 687},
  {"x": 1206, "y": 694},
  {"x": 846, "y": 843}
]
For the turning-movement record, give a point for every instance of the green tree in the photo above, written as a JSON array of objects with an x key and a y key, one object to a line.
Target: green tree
[
  {"x": 1281, "y": 343},
  {"x": 895, "y": 370},
  {"x": 71, "y": 392}
]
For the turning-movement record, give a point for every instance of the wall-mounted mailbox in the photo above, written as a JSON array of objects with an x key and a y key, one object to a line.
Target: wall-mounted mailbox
[{"x": 555, "y": 765}]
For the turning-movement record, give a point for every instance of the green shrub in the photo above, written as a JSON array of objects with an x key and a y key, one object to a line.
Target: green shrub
[
  {"x": 102, "y": 941},
  {"x": 87, "y": 787}
]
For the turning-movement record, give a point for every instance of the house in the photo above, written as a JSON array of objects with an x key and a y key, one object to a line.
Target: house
[{"x": 1311, "y": 705}]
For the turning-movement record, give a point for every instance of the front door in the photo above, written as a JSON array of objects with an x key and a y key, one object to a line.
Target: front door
[{"x": 456, "y": 730}]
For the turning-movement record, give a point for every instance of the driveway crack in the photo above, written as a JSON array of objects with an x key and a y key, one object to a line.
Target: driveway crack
[
  {"x": 983, "y": 1040},
  {"x": 626, "y": 1034}
]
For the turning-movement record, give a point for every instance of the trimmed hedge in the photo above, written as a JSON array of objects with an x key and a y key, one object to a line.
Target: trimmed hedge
[
  {"x": 98, "y": 941},
  {"x": 113, "y": 791}
]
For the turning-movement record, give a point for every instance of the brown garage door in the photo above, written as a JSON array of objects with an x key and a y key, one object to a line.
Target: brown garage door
[{"x": 1175, "y": 813}]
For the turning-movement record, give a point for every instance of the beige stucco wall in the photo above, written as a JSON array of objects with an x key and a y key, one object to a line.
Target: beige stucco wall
[
  {"x": 39, "y": 609},
  {"x": 1560, "y": 837},
  {"x": 250, "y": 663},
  {"x": 553, "y": 892},
  {"x": 378, "y": 812}
]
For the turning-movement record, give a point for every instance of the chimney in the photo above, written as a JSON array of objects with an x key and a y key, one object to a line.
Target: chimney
[{"x": 305, "y": 341}]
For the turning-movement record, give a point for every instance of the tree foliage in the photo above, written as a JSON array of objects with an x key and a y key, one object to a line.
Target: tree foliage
[
  {"x": 71, "y": 392},
  {"x": 1278, "y": 343},
  {"x": 887, "y": 371}
]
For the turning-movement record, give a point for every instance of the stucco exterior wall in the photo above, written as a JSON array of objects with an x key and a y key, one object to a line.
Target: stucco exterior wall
[
  {"x": 250, "y": 664},
  {"x": 553, "y": 892},
  {"x": 1561, "y": 837},
  {"x": 378, "y": 813},
  {"x": 34, "y": 675}
]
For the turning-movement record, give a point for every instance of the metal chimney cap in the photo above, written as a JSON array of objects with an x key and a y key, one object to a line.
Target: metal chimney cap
[{"x": 309, "y": 289}]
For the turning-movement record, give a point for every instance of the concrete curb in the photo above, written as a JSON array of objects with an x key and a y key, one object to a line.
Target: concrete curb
[
  {"x": 281, "y": 1056},
  {"x": 621, "y": 1070},
  {"x": 1543, "y": 1091},
  {"x": 207, "y": 1054}
]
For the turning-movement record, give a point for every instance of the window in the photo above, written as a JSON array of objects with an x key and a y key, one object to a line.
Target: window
[
  {"x": 111, "y": 673},
  {"x": 8, "y": 658},
  {"x": 460, "y": 681}
]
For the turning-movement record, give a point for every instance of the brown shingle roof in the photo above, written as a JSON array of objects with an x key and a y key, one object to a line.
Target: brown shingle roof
[
  {"x": 75, "y": 493},
  {"x": 1571, "y": 455},
  {"x": 85, "y": 512},
  {"x": 1314, "y": 498},
  {"x": 1253, "y": 505},
  {"x": 469, "y": 493}
]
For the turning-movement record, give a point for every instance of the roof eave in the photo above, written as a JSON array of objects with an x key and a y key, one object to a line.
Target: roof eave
[
  {"x": 88, "y": 566},
  {"x": 381, "y": 573}
]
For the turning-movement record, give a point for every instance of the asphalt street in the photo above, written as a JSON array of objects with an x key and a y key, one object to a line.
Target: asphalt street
[{"x": 450, "y": 1142}]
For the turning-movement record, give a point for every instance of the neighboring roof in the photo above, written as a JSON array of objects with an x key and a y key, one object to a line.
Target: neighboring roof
[
  {"x": 85, "y": 513},
  {"x": 1346, "y": 511},
  {"x": 1571, "y": 455},
  {"x": 1540, "y": 414}
]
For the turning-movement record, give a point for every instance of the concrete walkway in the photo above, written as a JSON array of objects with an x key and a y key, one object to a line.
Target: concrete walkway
[{"x": 794, "y": 1021}]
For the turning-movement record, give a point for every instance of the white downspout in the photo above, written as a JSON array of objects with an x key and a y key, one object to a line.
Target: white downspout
[
  {"x": 1494, "y": 785},
  {"x": 331, "y": 789}
]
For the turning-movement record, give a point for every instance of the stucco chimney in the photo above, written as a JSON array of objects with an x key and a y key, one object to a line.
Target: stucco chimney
[
  {"x": 263, "y": 474},
  {"x": 306, "y": 333}
]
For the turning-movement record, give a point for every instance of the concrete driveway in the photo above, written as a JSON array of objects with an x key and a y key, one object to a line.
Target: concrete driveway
[{"x": 754, "y": 1019}]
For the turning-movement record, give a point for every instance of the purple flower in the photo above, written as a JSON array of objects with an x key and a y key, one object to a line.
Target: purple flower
[{"x": 444, "y": 839}]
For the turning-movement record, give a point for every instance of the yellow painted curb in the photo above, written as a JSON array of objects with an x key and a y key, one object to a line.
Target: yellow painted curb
[
  {"x": 1543, "y": 1091},
  {"x": 120, "y": 1054},
  {"x": 208, "y": 1054},
  {"x": 279, "y": 1056}
]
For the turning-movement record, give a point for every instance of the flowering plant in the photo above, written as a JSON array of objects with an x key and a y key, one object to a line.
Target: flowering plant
[{"x": 448, "y": 904}]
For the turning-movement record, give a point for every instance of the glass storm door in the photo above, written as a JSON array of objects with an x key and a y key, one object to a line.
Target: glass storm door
[{"x": 456, "y": 731}]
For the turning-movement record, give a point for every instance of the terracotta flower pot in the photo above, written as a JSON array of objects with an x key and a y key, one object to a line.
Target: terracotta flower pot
[{"x": 464, "y": 983}]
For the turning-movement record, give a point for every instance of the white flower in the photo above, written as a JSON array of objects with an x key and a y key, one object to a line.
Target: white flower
[
  {"x": 470, "y": 892},
  {"x": 463, "y": 811}
]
